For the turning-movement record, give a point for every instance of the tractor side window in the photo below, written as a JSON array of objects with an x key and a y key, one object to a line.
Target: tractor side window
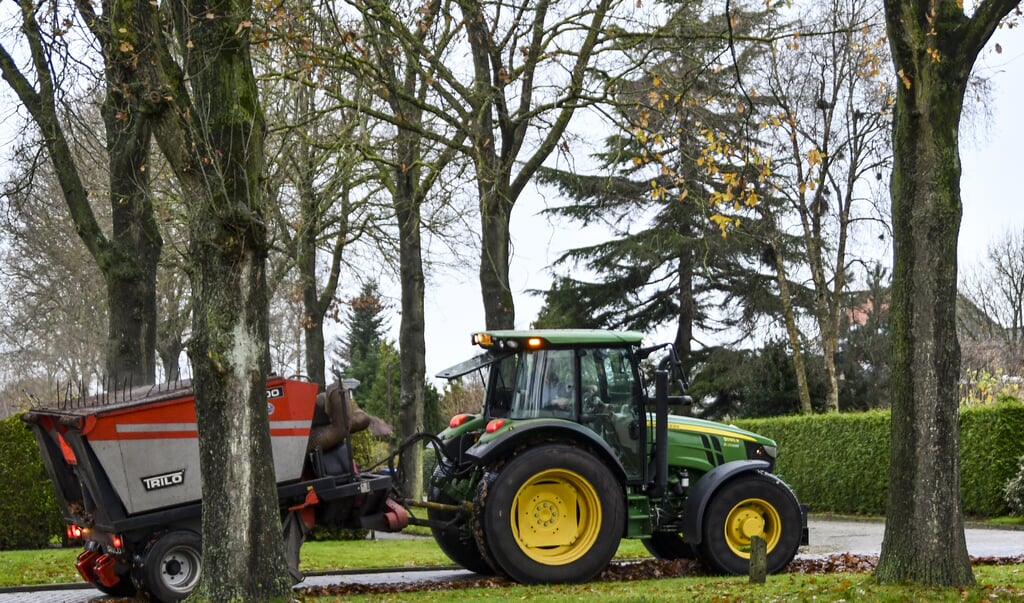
[
  {"x": 608, "y": 402},
  {"x": 607, "y": 373},
  {"x": 502, "y": 382},
  {"x": 523, "y": 399},
  {"x": 544, "y": 385},
  {"x": 619, "y": 373}
]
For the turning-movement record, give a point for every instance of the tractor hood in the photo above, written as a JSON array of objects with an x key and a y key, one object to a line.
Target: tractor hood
[{"x": 694, "y": 425}]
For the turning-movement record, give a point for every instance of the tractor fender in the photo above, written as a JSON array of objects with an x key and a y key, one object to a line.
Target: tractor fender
[
  {"x": 539, "y": 431},
  {"x": 704, "y": 489}
]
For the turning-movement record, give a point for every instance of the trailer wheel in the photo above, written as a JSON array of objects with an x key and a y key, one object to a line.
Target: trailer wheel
[
  {"x": 456, "y": 542},
  {"x": 554, "y": 513},
  {"x": 669, "y": 545},
  {"x": 171, "y": 566},
  {"x": 750, "y": 505}
]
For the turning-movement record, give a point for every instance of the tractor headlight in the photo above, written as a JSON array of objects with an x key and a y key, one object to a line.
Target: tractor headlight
[{"x": 761, "y": 452}]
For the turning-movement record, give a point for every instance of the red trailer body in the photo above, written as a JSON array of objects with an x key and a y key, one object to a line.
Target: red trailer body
[{"x": 125, "y": 469}]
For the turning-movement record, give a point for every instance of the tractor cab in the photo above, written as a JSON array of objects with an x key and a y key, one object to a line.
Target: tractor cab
[{"x": 537, "y": 379}]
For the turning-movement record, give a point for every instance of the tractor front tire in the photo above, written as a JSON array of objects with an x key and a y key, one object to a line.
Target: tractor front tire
[
  {"x": 171, "y": 566},
  {"x": 752, "y": 504},
  {"x": 552, "y": 514},
  {"x": 457, "y": 541}
]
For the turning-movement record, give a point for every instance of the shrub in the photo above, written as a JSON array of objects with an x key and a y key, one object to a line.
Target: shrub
[
  {"x": 29, "y": 508},
  {"x": 990, "y": 444},
  {"x": 1014, "y": 494},
  {"x": 834, "y": 462},
  {"x": 840, "y": 462}
]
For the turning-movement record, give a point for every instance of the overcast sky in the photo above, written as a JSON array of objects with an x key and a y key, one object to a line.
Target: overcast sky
[
  {"x": 993, "y": 160},
  {"x": 992, "y": 156}
]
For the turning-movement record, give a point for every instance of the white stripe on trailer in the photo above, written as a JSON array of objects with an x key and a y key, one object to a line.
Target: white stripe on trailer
[
  {"x": 164, "y": 427},
  {"x": 154, "y": 427}
]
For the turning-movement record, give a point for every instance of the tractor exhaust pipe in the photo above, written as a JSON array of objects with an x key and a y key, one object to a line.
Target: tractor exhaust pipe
[{"x": 660, "y": 434}]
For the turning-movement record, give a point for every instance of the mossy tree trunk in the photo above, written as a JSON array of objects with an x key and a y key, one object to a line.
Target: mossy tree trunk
[
  {"x": 242, "y": 535},
  {"x": 210, "y": 127},
  {"x": 411, "y": 340},
  {"x": 934, "y": 46}
]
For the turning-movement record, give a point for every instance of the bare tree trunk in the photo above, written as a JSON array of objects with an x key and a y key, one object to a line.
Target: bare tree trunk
[
  {"x": 687, "y": 311},
  {"x": 213, "y": 141},
  {"x": 411, "y": 342},
  {"x": 498, "y": 128},
  {"x": 242, "y": 536},
  {"x": 495, "y": 217},
  {"x": 130, "y": 272},
  {"x": 789, "y": 317},
  {"x": 924, "y": 529},
  {"x": 312, "y": 322}
]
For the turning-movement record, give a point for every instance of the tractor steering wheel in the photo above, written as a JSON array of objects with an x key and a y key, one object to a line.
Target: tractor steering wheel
[{"x": 592, "y": 402}]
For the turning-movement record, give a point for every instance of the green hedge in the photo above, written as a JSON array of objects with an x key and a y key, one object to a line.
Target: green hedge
[
  {"x": 840, "y": 462},
  {"x": 991, "y": 441},
  {"x": 31, "y": 517}
]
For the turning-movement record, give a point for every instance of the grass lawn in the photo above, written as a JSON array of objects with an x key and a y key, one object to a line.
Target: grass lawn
[
  {"x": 1004, "y": 583},
  {"x": 995, "y": 583}
]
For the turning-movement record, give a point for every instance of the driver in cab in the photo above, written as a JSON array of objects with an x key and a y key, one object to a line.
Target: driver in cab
[{"x": 555, "y": 393}]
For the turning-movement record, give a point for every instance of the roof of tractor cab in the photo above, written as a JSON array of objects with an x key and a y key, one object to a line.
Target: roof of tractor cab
[{"x": 566, "y": 337}]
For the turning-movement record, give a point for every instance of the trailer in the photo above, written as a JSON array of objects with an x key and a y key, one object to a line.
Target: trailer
[{"x": 125, "y": 469}]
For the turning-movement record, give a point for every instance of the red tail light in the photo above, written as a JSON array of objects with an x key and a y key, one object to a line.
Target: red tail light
[
  {"x": 458, "y": 420},
  {"x": 495, "y": 425}
]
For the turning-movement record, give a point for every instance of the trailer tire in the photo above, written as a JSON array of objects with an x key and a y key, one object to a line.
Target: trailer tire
[
  {"x": 171, "y": 566},
  {"x": 456, "y": 542},
  {"x": 553, "y": 514},
  {"x": 750, "y": 504},
  {"x": 669, "y": 545}
]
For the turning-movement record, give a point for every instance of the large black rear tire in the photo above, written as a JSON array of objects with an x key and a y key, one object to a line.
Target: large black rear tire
[
  {"x": 457, "y": 541},
  {"x": 552, "y": 514},
  {"x": 748, "y": 505}
]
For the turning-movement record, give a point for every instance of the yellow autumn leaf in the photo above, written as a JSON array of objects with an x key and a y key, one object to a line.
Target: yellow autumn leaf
[
  {"x": 723, "y": 223},
  {"x": 814, "y": 157},
  {"x": 904, "y": 79}
]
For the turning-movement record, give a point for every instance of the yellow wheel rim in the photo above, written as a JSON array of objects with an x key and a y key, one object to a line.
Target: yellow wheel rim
[
  {"x": 556, "y": 517},
  {"x": 749, "y": 518}
]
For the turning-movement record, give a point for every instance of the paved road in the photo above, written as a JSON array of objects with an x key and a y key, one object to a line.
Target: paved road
[{"x": 827, "y": 537}]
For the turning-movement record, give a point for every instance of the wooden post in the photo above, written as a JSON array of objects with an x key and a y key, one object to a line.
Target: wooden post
[{"x": 758, "y": 559}]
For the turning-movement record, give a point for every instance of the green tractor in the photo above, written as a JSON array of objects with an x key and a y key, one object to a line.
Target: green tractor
[{"x": 573, "y": 451}]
